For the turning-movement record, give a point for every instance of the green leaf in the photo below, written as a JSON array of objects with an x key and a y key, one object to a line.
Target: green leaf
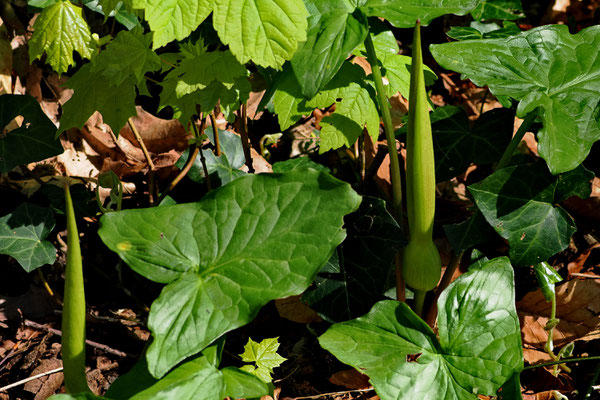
[
  {"x": 469, "y": 233},
  {"x": 59, "y": 31},
  {"x": 79, "y": 396},
  {"x": 173, "y": 19},
  {"x": 498, "y": 9},
  {"x": 479, "y": 347},
  {"x": 265, "y": 31},
  {"x": 264, "y": 356},
  {"x": 129, "y": 54},
  {"x": 134, "y": 381},
  {"x": 483, "y": 31},
  {"x": 403, "y": 14},
  {"x": 552, "y": 73},
  {"x": 457, "y": 144},
  {"x": 226, "y": 256},
  {"x": 200, "y": 380},
  {"x": 22, "y": 235},
  {"x": 288, "y": 101},
  {"x": 334, "y": 31},
  {"x": 92, "y": 92},
  {"x": 547, "y": 277},
  {"x": 33, "y": 136},
  {"x": 108, "y": 6},
  {"x": 225, "y": 167},
  {"x": 519, "y": 202},
  {"x": 360, "y": 272},
  {"x": 300, "y": 163}
]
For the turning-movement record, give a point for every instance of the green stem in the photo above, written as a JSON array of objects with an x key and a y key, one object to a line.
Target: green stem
[
  {"x": 384, "y": 107},
  {"x": 512, "y": 146},
  {"x": 563, "y": 361},
  {"x": 73, "y": 317},
  {"x": 419, "y": 301},
  {"x": 588, "y": 393}
]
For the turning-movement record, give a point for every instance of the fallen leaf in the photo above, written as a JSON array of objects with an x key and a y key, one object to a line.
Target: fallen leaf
[
  {"x": 296, "y": 310},
  {"x": 45, "y": 386},
  {"x": 350, "y": 379}
]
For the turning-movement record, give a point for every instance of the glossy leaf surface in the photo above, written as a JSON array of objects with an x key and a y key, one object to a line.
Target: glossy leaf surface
[
  {"x": 22, "y": 235},
  {"x": 479, "y": 347},
  {"x": 498, "y": 9},
  {"x": 334, "y": 30},
  {"x": 59, "y": 31},
  {"x": 243, "y": 245},
  {"x": 552, "y": 73},
  {"x": 266, "y": 31},
  {"x": 361, "y": 270},
  {"x": 519, "y": 203},
  {"x": 30, "y": 135}
]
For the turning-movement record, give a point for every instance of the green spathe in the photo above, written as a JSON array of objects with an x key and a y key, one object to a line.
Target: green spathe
[
  {"x": 478, "y": 350},
  {"x": 226, "y": 256}
]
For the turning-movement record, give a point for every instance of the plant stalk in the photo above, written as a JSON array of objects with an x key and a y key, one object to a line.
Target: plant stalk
[
  {"x": 512, "y": 146},
  {"x": 244, "y": 135},
  {"x": 73, "y": 318},
  {"x": 564, "y": 360},
  {"x": 213, "y": 122}
]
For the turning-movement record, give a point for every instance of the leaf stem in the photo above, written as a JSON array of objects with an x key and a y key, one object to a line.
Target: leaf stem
[
  {"x": 244, "y": 135},
  {"x": 215, "y": 128},
  {"x": 512, "y": 146},
  {"x": 384, "y": 107},
  {"x": 564, "y": 360}
]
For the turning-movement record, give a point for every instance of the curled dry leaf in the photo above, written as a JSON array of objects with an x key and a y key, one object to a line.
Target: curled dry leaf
[{"x": 577, "y": 307}]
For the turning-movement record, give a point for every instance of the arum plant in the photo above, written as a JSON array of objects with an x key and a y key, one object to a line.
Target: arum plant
[
  {"x": 73, "y": 317},
  {"x": 421, "y": 260}
]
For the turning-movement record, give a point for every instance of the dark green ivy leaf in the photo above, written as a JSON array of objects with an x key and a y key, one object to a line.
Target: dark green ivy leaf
[
  {"x": 32, "y": 139},
  {"x": 470, "y": 233},
  {"x": 520, "y": 203}
]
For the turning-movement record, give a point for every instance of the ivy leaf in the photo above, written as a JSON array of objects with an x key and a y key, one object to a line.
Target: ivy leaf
[
  {"x": 59, "y": 31},
  {"x": 479, "y": 345},
  {"x": 22, "y": 235},
  {"x": 403, "y": 14},
  {"x": 264, "y": 356},
  {"x": 498, "y": 9},
  {"x": 334, "y": 30},
  {"x": 266, "y": 32},
  {"x": 360, "y": 272},
  {"x": 457, "y": 144},
  {"x": 129, "y": 54},
  {"x": 226, "y": 256},
  {"x": 33, "y": 138},
  {"x": 469, "y": 233},
  {"x": 173, "y": 19},
  {"x": 552, "y": 73},
  {"x": 519, "y": 203},
  {"x": 93, "y": 93}
]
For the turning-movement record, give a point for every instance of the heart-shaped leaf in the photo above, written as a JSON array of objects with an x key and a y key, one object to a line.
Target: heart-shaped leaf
[
  {"x": 22, "y": 235},
  {"x": 403, "y": 14},
  {"x": 244, "y": 244},
  {"x": 360, "y": 272},
  {"x": 552, "y": 73},
  {"x": 519, "y": 202},
  {"x": 479, "y": 345},
  {"x": 27, "y": 135},
  {"x": 334, "y": 30}
]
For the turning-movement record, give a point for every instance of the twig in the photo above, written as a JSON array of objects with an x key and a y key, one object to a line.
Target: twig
[
  {"x": 31, "y": 175},
  {"x": 446, "y": 280},
  {"x": 317, "y": 396},
  {"x": 588, "y": 276},
  {"x": 91, "y": 343},
  {"x": 244, "y": 134},
  {"x": 54, "y": 296},
  {"x": 31, "y": 378},
  {"x": 215, "y": 128},
  {"x": 151, "y": 183}
]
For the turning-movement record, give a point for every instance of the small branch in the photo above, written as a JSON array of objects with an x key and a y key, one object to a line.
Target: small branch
[
  {"x": 31, "y": 378},
  {"x": 91, "y": 343},
  {"x": 215, "y": 128},
  {"x": 151, "y": 182},
  {"x": 446, "y": 280},
  {"x": 331, "y": 394},
  {"x": 244, "y": 134},
  {"x": 512, "y": 146},
  {"x": 54, "y": 296}
]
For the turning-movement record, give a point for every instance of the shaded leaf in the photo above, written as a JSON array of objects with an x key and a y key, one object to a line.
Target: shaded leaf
[
  {"x": 300, "y": 163},
  {"x": 226, "y": 256},
  {"x": 334, "y": 31},
  {"x": 59, "y": 31},
  {"x": 551, "y": 73},
  {"x": 519, "y": 202},
  {"x": 470, "y": 233},
  {"x": 33, "y": 136},
  {"x": 362, "y": 269},
  {"x": 478, "y": 351},
  {"x": 22, "y": 235},
  {"x": 483, "y": 31},
  {"x": 498, "y": 9},
  {"x": 266, "y": 32}
]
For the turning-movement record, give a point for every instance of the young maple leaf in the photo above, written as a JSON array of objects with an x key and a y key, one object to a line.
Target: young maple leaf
[{"x": 264, "y": 356}]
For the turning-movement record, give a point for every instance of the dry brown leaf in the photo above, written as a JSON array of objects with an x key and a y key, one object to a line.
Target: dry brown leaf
[
  {"x": 350, "y": 379},
  {"x": 45, "y": 386},
  {"x": 294, "y": 309},
  {"x": 6, "y": 62},
  {"x": 577, "y": 307}
]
